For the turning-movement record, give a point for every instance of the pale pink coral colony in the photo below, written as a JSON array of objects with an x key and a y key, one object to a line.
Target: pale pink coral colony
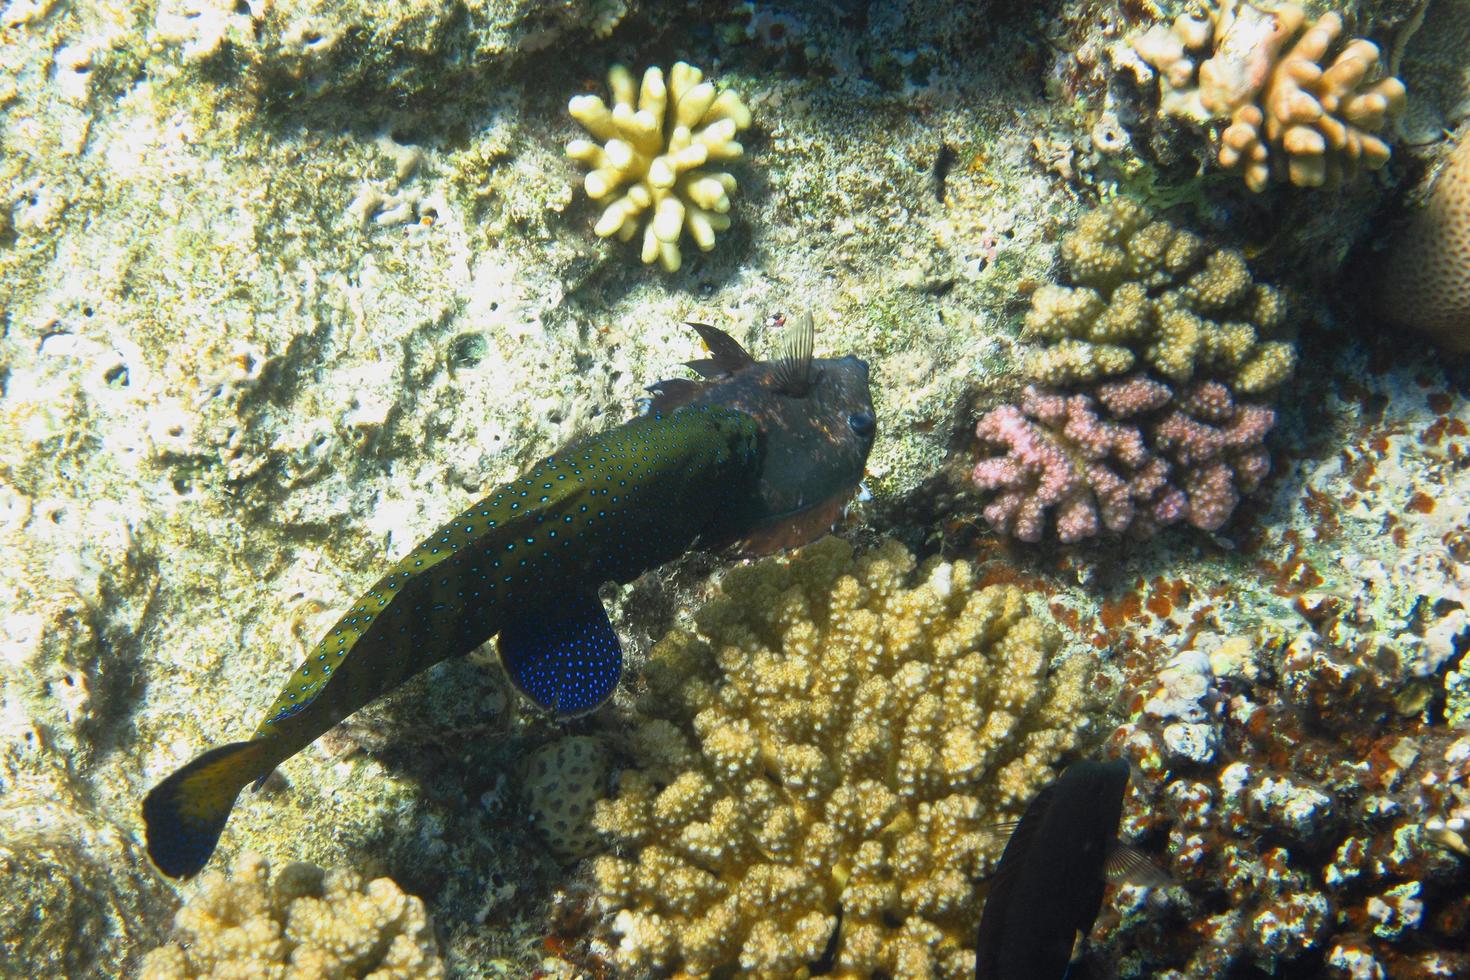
[{"x": 1059, "y": 454}]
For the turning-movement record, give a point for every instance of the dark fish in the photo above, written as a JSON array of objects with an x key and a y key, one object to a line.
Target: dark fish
[
  {"x": 943, "y": 162},
  {"x": 1048, "y": 887},
  {"x": 758, "y": 455}
]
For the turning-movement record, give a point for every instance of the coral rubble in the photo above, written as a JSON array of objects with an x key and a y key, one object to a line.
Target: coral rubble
[
  {"x": 305, "y": 923},
  {"x": 655, "y": 141},
  {"x": 1292, "y": 113},
  {"x": 1424, "y": 279},
  {"x": 823, "y": 754},
  {"x": 1179, "y": 439}
]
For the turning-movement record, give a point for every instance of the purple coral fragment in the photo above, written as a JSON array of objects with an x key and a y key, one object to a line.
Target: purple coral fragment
[{"x": 1130, "y": 455}]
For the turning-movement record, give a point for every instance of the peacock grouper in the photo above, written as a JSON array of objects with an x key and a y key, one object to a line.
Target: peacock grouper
[{"x": 754, "y": 456}]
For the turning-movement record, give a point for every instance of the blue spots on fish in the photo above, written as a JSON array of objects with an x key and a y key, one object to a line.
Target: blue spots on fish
[
  {"x": 607, "y": 508},
  {"x": 565, "y": 657}
]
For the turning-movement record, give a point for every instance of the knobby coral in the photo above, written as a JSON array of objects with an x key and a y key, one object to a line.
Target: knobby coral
[
  {"x": 307, "y": 924},
  {"x": 1149, "y": 292},
  {"x": 1291, "y": 113},
  {"x": 1180, "y": 437},
  {"x": 1135, "y": 457},
  {"x": 656, "y": 140},
  {"x": 1424, "y": 282},
  {"x": 820, "y": 760}
]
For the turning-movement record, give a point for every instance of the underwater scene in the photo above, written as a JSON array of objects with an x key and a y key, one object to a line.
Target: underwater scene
[{"x": 821, "y": 488}]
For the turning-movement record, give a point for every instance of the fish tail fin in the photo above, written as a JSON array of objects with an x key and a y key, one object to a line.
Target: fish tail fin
[{"x": 184, "y": 814}]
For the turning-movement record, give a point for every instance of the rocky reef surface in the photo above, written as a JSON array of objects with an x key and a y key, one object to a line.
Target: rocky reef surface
[{"x": 284, "y": 284}]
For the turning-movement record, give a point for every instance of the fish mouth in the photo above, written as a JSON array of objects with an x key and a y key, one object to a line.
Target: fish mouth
[{"x": 796, "y": 527}]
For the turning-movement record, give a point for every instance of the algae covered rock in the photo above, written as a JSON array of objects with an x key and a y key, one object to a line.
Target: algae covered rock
[
  {"x": 309, "y": 48},
  {"x": 79, "y": 898}
]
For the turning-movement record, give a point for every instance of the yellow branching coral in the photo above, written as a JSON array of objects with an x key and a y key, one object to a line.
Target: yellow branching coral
[
  {"x": 1148, "y": 291},
  {"x": 1293, "y": 114},
  {"x": 656, "y": 141},
  {"x": 837, "y": 735},
  {"x": 307, "y": 924}
]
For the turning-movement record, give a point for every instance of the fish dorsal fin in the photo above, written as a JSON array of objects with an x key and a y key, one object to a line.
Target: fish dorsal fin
[
  {"x": 728, "y": 356},
  {"x": 563, "y": 656},
  {"x": 794, "y": 363},
  {"x": 669, "y": 395},
  {"x": 1126, "y": 863}
]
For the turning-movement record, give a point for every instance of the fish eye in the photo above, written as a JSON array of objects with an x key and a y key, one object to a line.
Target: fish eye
[{"x": 862, "y": 423}]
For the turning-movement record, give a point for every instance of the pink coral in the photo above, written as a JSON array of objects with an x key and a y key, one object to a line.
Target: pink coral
[
  {"x": 1034, "y": 474},
  {"x": 1129, "y": 455}
]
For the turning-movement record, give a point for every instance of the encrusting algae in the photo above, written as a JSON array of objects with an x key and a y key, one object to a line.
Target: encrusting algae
[{"x": 824, "y": 754}]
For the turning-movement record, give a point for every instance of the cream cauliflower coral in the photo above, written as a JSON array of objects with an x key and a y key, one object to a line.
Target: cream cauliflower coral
[
  {"x": 1296, "y": 111},
  {"x": 656, "y": 141},
  {"x": 307, "y": 924},
  {"x": 823, "y": 756},
  {"x": 1149, "y": 292}
]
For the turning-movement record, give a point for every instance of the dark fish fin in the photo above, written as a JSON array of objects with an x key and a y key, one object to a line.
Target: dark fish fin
[
  {"x": 565, "y": 656},
  {"x": 705, "y": 367},
  {"x": 669, "y": 395},
  {"x": 1126, "y": 863},
  {"x": 729, "y": 357},
  {"x": 997, "y": 833},
  {"x": 794, "y": 363},
  {"x": 184, "y": 815},
  {"x": 790, "y": 531},
  {"x": 1026, "y": 827}
]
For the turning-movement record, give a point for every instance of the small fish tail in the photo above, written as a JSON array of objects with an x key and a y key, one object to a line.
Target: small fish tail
[{"x": 185, "y": 813}]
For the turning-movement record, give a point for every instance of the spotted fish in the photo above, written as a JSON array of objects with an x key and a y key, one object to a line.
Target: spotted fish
[{"x": 754, "y": 456}]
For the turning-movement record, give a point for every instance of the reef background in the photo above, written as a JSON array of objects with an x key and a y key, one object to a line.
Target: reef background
[{"x": 284, "y": 284}]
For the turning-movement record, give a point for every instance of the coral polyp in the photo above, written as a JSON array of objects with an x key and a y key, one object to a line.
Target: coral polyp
[{"x": 656, "y": 141}]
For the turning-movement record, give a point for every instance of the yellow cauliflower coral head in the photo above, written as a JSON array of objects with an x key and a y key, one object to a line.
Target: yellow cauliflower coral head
[
  {"x": 1144, "y": 291},
  {"x": 838, "y": 734},
  {"x": 306, "y": 923},
  {"x": 656, "y": 141}
]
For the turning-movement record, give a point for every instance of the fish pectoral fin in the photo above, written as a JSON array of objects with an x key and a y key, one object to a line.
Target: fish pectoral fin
[
  {"x": 1125, "y": 863},
  {"x": 184, "y": 815},
  {"x": 259, "y": 784},
  {"x": 996, "y": 834},
  {"x": 669, "y": 395},
  {"x": 564, "y": 656}
]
